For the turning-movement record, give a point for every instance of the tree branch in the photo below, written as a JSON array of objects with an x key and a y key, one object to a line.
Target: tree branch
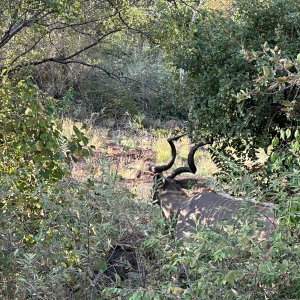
[
  {"x": 66, "y": 58},
  {"x": 110, "y": 74},
  {"x": 13, "y": 30},
  {"x": 119, "y": 13},
  {"x": 28, "y": 50}
]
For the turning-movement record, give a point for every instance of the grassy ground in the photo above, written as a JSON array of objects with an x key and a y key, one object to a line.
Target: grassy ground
[{"x": 129, "y": 152}]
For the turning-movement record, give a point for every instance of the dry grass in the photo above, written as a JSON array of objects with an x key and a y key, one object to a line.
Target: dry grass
[
  {"x": 96, "y": 136},
  {"x": 162, "y": 150},
  {"x": 205, "y": 165},
  {"x": 113, "y": 147}
]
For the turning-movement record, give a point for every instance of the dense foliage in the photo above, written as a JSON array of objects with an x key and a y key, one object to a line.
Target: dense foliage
[
  {"x": 97, "y": 52},
  {"x": 210, "y": 49},
  {"x": 214, "y": 265},
  {"x": 240, "y": 75},
  {"x": 230, "y": 68}
]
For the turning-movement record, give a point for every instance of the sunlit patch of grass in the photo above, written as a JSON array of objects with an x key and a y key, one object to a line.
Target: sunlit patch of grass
[
  {"x": 96, "y": 136},
  {"x": 128, "y": 143},
  {"x": 183, "y": 146},
  {"x": 127, "y": 173},
  {"x": 204, "y": 163},
  {"x": 128, "y": 167},
  {"x": 262, "y": 156},
  {"x": 67, "y": 127},
  {"x": 159, "y": 132},
  {"x": 162, "y": 150}
]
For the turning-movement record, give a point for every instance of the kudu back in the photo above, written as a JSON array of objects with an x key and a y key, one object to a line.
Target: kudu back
[{"x": 207, "y": 208}]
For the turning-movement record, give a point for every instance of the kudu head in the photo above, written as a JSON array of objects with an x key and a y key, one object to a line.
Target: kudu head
[{"x": 167, "y": 191}]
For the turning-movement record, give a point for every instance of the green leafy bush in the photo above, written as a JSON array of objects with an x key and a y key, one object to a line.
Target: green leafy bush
[
  {"x": 67, "y": 257},
  {"x": 277, "y": 180},
  {"x": 30, "y": 133},
  {"x": 214, "y": 265},
  {"x": 221, "y": 262},
  {"x": 33, "y": 150},
  {"x": 209, "y": 48},
  {"x": 34, "y": 155},
  {"x": 57, "y": 235}
]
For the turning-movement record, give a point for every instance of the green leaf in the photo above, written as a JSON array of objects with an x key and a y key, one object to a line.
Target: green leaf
[
  {"x": 288, "y": 133},
  {"x": 285, "y": 262},
  {"x": 76, "y": 130},
  {"x": 101, "y": 265},
  {"x": 235, "y": 292},
  {"x": 266, "y": 71},
  {"x": 44, "y": 137},
  {"x": 231, "y": 277},
  {"x": 85, "y": 140},
  {"x": 289, "y": 160},
  {"x": 39, "y": 145},
  {"x": 275, "y": 141},
  {"x": 50, "y": 145},
  {"x": 266, "y": 46},
  {"x": 282, "y": 134},
  {"x": 295, "y": 146},
  {"x": 42, "y": 123},
  {"x": 273, "y": 157}
]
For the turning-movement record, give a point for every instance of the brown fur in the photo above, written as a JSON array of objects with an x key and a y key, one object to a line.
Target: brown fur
[{"x": 207, "y": 208}]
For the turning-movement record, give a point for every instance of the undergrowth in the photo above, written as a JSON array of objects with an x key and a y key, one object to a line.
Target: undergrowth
[
  {"x": 68, "y": 256},
  {"x": 84, "y": 235}
]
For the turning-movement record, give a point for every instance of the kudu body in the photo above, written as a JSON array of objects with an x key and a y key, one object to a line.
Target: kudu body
[{"x": 206, "y": 208}]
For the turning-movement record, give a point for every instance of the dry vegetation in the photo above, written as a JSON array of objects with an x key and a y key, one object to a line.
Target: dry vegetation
[{"x": 129, "y": 152}]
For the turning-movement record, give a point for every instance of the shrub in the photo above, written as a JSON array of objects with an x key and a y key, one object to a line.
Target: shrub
[
  {"x": 67, "y": 257},
  {"x": 209, "y": 48}
]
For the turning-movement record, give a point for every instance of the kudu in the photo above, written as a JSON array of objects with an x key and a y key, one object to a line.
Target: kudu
[{"x": 206, "y": 208}]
